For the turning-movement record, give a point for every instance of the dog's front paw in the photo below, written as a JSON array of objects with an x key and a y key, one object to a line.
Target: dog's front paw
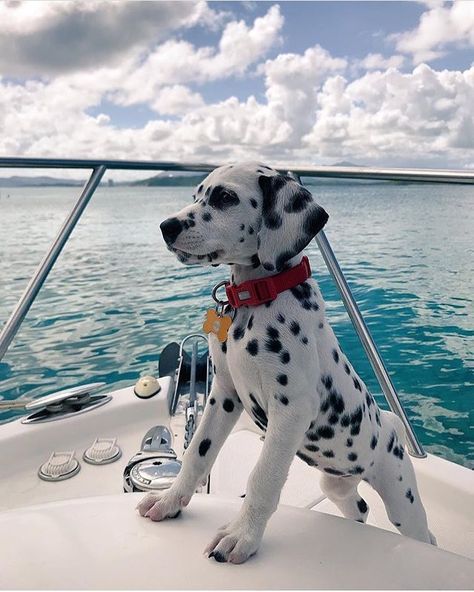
[
  {"x": 234, "y": 543},
  {"x": 160, "y": 506}
]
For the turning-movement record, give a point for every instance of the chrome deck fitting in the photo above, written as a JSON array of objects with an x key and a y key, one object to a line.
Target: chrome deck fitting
[
  {"x": 59, "y": 467},
  {"x": 102, "y": 452}
]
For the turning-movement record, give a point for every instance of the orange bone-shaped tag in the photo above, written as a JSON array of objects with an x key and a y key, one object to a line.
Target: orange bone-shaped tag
[{"x": 216, "y": 324}]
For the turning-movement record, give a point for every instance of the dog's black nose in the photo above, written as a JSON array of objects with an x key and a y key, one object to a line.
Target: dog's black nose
[{"x": 170, "y": 229}]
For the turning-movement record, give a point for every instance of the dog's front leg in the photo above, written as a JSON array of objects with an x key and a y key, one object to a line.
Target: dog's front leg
[
  {"x": 219, "y": 417},
  {"x": 240, "y": 539}
]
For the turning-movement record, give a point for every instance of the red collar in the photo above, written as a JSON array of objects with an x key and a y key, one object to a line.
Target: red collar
[{"x": 255, "y": 292}]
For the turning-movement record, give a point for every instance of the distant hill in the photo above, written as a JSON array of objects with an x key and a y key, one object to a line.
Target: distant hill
[
  {"x": 171, "y": 180},
  {"x": 42, "y": 181}
]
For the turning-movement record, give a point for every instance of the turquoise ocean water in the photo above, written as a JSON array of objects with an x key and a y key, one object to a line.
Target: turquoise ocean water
[{"x": 116, "y": 296}]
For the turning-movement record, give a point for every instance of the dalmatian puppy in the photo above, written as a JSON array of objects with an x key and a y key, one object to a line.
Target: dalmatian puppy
[{"x": 282, "y": 364}]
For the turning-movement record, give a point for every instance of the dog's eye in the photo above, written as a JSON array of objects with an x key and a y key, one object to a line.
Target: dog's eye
[{"x": 222, "y": 198}]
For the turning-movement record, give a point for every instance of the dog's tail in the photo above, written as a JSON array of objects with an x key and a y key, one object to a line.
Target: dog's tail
[{"x": 396, "y": 424}]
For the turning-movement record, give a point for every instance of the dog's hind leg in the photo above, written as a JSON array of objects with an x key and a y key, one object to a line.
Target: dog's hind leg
[
  {"x": 394, "y": 480},
  {"x": 342, "y": 491}
]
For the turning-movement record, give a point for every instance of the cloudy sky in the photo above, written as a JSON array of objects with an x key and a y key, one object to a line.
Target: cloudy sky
[{"x": 382, "y": 83}]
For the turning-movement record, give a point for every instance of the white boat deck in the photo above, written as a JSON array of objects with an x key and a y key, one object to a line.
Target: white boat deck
[{"x": 447, "y": 489}]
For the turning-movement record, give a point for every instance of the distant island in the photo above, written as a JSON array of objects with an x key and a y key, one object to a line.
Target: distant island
[{"x": 159, "y": 180}]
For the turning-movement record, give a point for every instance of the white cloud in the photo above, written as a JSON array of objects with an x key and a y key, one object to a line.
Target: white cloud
[
  {"x": 444, "y": 24},
  {"x": 376, "y": 61},
  {"x": 382, "y": 115},
  {"x": 176, "y": 100},
  {"x": 62, "y": 36},
  {"x": 178, "y": 62}
]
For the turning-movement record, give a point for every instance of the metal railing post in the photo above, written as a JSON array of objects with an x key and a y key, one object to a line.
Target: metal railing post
[
  {"x": 16, "y": 318},
  {"x": 383, "y": 377},
  {"x": 414, "y": 446}
]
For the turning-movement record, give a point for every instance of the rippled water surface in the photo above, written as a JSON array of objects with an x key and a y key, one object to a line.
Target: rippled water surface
[{"x": 116, "y": 296}]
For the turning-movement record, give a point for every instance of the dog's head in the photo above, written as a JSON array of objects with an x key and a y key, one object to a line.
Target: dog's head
[{"x": 247, "y": 214}]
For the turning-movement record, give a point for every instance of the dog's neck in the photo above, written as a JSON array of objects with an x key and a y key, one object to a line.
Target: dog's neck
[{"x": 242, "y": 273}]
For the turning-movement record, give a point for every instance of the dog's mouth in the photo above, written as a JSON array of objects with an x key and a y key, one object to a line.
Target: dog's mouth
[{"x": 193, "y": 258}]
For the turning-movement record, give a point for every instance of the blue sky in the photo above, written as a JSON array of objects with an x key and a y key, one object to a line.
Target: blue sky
[{"x": 380, "y": 82}]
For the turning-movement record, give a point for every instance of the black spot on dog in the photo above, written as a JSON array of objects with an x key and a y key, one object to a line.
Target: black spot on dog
[
  {"x": 346, "y": 368},
  {"x": 391, "y": 442},
  {"x": 208, "y": 190},
  {"x": 409, "y": 496},
  {"x": 352, "y": 456},
  {"x": 282, "y": 379},
  {"x": 333, "y": 471},
  {"x": 324, "y": 407},
  {"x": 284, "y": 357},
  {"x": 335, "y": 355},
  {"x": 241, "y": 239},
  {"x": 250, "y": 322},
  {"x": 255, "y": 261},
  {"x": 321, "y": 325},
  {"x": 368, "y": 400},
  {"x": 349, "y": 442},
  {"x": 280, "y": 318},
  {"x": 346, "y": 420},
  {"x": 284, "y": 400},
  {"x": 204, "y": 446},
  {"x": 311, "y": 447},
  {"x": 295, "y": 327},
  {"x": 250, "y": 230},
  {"x": 242, "y": 227},
  {"x": 358, "y": 470},
  {"x": 200, "y": 188},
  {"x": 328, "y": 453},
  {"x": 307, "y": 459},
  {"x": 258, "y": 412},
  {"x": 212, "y": 401},
  {"x": 298, "y": 201},
  {"x": 362, "y": 506},
  {"x": 373, "y": 442},
  {"x": 239, "y": 332},
  {"x": 304, "y": 340},
  {"x": 327, "y": 381},
  {"x": 252, "y": 347},
  {"x": 224, "y": 347},
  {"x": 273, "y": 345},
  {"x": 218, "y": 556},
  {"x": 253, "y": 202},
  {"x": 272, "y": 332},
  {"x": 398, "y": 452},
  {"x": 326, "y": 432},
  {"x": 336, "y": 401},
  {"x": 333, "y": 418},
  {"x": 400, "y": 478},
  {"x": 228, "y": 405},
  {"x": 222, "y": 198},
  {"x": 397, "y": 524},
  {"x": 357, "y": 384}
]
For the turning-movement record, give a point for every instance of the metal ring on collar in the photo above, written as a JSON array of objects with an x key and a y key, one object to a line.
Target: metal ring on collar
[{"x": 214, "y": 293}]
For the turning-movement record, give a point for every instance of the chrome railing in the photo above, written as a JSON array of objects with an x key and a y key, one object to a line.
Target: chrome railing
[{"x": 99, "y": 167}]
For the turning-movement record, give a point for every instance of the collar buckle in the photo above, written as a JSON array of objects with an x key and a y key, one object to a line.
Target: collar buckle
[{"x": 251, "y": 292}]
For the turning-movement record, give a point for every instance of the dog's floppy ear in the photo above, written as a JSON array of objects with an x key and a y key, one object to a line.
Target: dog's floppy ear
[{"x": 290, "y": 219}]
